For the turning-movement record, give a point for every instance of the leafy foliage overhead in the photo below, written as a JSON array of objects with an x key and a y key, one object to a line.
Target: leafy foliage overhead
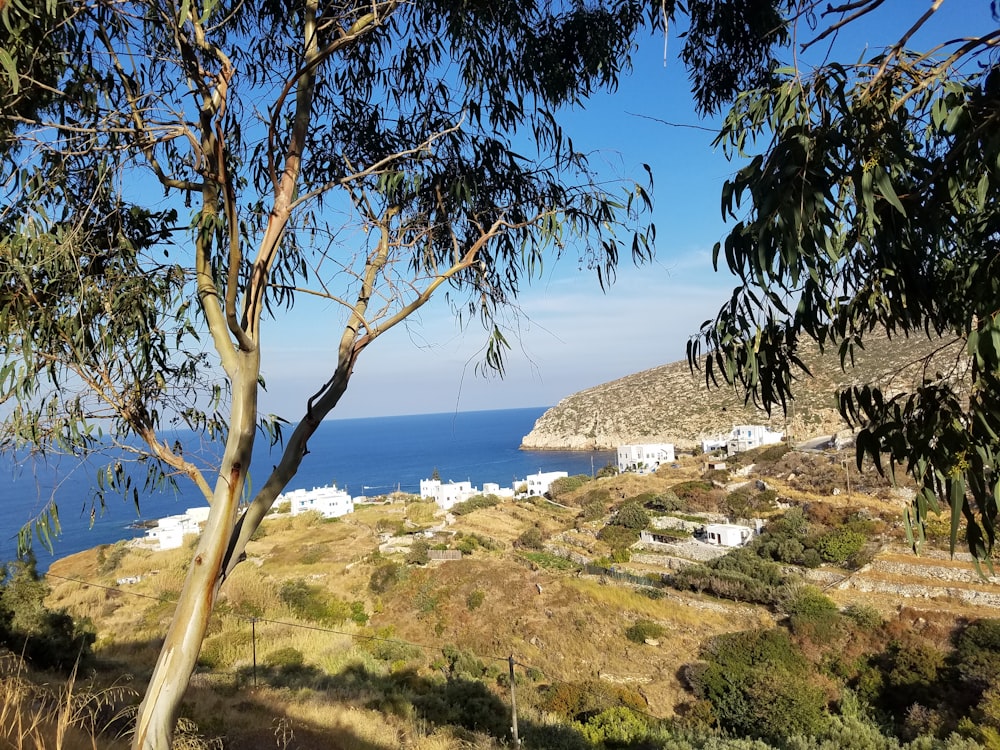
[{"x": 867, "y": 201}]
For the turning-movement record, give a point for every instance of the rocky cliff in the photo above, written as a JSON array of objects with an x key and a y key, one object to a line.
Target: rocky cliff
[{"x": 670, "y": 404}]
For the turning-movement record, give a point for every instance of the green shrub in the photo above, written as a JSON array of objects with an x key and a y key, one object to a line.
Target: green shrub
[
  {"x": 550, "y": 561},
  {"x": 463, "y": 663},
  {"x": 643, "y": 630},
  {"x": 49, "y": 639},
  {"x": 109, "y": 557},
  {"x": 385, "y": 576},
  {"x": 771, "y": 453},
  {"x": 418, "y": 552},
  {"x": 530, "y": 539},
  {"x": 839, "y": 545},
  {"x": 564, "y": 485},
  {"x": 664, "y": 502},
  {"x": 811, "y": 613},
  {"x": 631, "y": 516},
  {"x": 313, "y": 603},
  {"x": 608, "y": 470},
  {"x": 697, "y": 495},
  {"x": 864, "y": 616},
  {"x": 618, "y": 537},
  {"x": 616, "y": 727},
  {"x": 475, "y": 600},
  {"x": 286, "y": 657},
  {"x": 476, "y": 502},
  {"x": 759, "y": 685}
]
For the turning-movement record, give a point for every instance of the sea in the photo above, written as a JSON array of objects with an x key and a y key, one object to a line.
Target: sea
[{"x": 366, "y": 457}]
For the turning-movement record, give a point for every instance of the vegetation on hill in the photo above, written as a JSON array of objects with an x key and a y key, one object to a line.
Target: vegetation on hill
[
  {"x": 332, "y": 638},
  {"x": 671, "y": 404}
]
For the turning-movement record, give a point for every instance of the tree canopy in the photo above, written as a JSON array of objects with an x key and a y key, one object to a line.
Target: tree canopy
[
  {"x": 177, "y": 174},
  {"x": 865, "y": 204}
]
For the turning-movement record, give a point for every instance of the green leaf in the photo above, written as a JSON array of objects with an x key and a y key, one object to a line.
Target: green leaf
[
  {"x": 885, "y": 187},
  {"x": 10, "y": 67}
]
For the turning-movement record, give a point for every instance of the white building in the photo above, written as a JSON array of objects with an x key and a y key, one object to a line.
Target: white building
[
  {"x": 492, "y": 488},
  {"x": 644, "y": 458},
  {"x": 717, "y": 442},
  {"x": 169, "y": 532},
  {"x": 446, "y": 494},
  {"x": 538, "y": 484},
  {"x": 329, "y": 502},
  {"x": 728, "y": 534},
  {"x": 748, "y": 436}
]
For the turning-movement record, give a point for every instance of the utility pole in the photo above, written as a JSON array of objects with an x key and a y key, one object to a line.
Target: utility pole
[
  {"x": 253, "y": 638},
  {"x": 513, "y": 705}
]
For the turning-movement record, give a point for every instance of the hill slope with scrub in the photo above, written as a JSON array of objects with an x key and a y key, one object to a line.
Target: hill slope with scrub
[
  {"x": 672, "y": 404},
  {"x": 350, "y": 633}
]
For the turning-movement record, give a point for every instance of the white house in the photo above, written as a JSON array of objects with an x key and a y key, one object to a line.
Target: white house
[
  {"x": 169, "y": 532},
  {"x": 714, "y": 443},
  {"x": 492, "y": 488},
  {"x": 538, "y": 484},
  {"x": 446, "y": 494},
  {"x": 728, "y": 534},
  {"x": 329, "y": 502},
  {"x": 644, "y": 458},
  {"x": 748, "y": 436}
]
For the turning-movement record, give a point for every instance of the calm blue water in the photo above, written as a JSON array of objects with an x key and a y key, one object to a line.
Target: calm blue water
[{"x": 364, "y": 456}]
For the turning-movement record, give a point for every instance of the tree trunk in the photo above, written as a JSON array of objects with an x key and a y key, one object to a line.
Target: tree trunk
[{"x": 159, "y": 709}]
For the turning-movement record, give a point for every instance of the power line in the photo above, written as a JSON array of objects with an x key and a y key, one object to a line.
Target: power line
[{"x": 360, "y": 636}]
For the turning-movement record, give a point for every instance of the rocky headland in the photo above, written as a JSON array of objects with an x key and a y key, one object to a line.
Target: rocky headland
[{"x": 672, "y": 404}]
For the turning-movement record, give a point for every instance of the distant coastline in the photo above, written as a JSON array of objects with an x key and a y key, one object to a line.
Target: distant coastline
[{"x": 370, "y": 456}]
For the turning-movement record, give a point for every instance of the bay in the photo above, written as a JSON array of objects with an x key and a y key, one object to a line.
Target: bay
[{"x": 370, "y": 457}]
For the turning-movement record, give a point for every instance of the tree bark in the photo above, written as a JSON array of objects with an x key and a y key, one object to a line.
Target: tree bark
[{"x": 160, "y": 707}]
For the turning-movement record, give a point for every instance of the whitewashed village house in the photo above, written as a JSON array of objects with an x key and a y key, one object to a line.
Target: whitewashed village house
[
  {"x": 446, "y": 494},
  {"x": 728, "y": 534},
  {"x": 169, "y": 532},
  {"x": 329, "y": 502},
  {"x": 644, "y": 458},
  {"x": 538, "y": 484},
  {"x": 742, "y": 438}
]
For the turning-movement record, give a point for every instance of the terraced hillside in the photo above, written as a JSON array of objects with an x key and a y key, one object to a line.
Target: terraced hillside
[{"x": 671, "y": 404}]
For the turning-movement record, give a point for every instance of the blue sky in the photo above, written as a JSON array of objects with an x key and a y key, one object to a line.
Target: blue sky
[{"x": 569, "y": 335}]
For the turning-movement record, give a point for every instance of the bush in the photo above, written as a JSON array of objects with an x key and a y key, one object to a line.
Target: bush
[
  {"x": 864, "y": 616},
  {"x": 286, "y": 657},
  {"x": 530, "y": 539},
  {"x": 643, "y": 630},
  {"x": 697, "y": 495},
  {"x": 313, "y": 603},
  {"x": 608, "y": 470},
  {"x": 476, "y": 502},
  {"x": 759, "y": 685},
  {"x": 49, "y": 639},
  {"x": 418, "y": 552},
  {"x": 839, "y": 545},
  {"x": 811, "y": 613},
  {"x": 565, "y": 485},
  {"x": 631, "y": 516},
  {"x": 618, "y": 537},
  {"x": 385, "y": 576},
  {"x": 475, "y": 600},
  {"x": 109, "y": 557}
]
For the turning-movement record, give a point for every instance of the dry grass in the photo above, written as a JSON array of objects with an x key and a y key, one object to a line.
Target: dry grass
[
  {"x": 570, "y": 628},
  {"x": 39, "y": 716}
]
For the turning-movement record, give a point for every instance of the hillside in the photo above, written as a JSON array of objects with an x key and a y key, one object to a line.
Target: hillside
[
  {"x": 334, "y": 634},
  {"x": 671, "y": 404}
]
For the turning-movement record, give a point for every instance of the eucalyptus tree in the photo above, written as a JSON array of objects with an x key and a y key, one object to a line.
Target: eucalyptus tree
[
  {"x": 184, "y": 171},
  {"x": 866, "y": 203}
]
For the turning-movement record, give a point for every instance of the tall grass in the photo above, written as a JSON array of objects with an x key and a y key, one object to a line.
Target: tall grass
[{"x": 62, "y": 717}]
